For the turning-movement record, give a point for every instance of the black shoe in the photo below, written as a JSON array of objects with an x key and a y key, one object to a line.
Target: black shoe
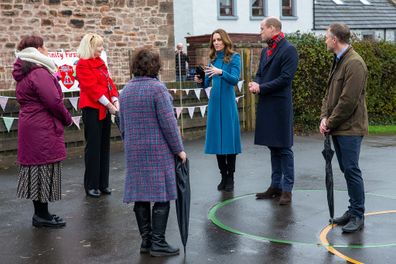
[
  {"x": 342, "y": 220},
  {"x": 355, "y": 224},
  {"x": 55, "y": 222},
  {"x": 93, "y": 193},
  {"x": 222, "y": 184},
  {"x": 229, "y": 185},
  {"x": 106, "y": 190}
]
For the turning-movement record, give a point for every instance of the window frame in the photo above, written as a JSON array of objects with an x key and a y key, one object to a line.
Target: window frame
[
  {"x": 293, "y": 10},
  {"x": 233, "y": 11},
  {"x": 265, "y": 10}
]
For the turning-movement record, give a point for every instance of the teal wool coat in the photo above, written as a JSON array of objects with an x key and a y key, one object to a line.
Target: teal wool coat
[{"x": 223, "y": 134}]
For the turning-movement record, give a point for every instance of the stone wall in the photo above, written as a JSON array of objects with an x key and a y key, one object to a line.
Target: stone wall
[{"x": 124, "y": 24}]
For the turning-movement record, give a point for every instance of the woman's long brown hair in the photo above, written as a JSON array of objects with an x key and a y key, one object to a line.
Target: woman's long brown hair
[{"x": 228, "y": 51}]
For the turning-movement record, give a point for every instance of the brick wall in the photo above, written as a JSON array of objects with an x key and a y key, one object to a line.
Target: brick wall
[{"x": 124, "y": 25}]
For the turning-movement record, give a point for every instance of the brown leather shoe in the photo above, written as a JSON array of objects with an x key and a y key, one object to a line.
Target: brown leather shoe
[
  {"x": 270, "y": 193},
  {"x": 285, "y": 198}
]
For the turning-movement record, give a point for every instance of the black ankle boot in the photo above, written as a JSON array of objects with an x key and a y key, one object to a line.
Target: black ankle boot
[
  {"x": 143, "y": 219},
  {"x": 222, "y": 184},
  {"x": 159, "y": 247},
  {"x": 229, "y": 186}
]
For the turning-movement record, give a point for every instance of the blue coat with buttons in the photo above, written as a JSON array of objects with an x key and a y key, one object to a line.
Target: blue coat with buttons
[{"x": 223, "y": 134}]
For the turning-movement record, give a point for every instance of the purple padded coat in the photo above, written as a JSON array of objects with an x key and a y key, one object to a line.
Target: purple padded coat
[{"x": 42, "y": 116}]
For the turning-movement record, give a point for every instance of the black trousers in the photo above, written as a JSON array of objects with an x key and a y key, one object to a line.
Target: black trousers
[
  {"x": 97, "y": 149},
  {"x": 226, "y": 163}
]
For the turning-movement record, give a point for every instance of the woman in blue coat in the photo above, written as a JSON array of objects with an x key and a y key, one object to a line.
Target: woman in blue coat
[{"x": 223, "y": 136}]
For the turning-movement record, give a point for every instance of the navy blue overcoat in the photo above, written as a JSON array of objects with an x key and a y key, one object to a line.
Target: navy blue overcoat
[{"x": 274, "y": 117}]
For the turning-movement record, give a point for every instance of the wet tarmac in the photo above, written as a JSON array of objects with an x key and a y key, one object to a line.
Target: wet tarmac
[{"x": 104, "y": 230}]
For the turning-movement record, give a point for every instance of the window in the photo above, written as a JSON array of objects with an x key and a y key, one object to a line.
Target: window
[
  {"x": 227, "y": 8},
  {"x": 338, "y": 2},
  {"x": 258, "y": 8},
  {"x": 288, "y": 8}
]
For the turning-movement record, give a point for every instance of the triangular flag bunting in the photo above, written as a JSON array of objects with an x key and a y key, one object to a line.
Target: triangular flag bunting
[
  {"x": 76, "y": 121},
  {"x": 237, "y": 98},
  {"x": 203, "y": 109},
  {"x": 191, "y": 111},
  {"x": 198, "y": 93},
  {"x": 207, "y": 90},
  {"x": 74, "y": 101},
  {"x": 8, "y": 121},
  {"x": 3, "y": 102},
  {"x": 187, "y": 91},
  {"x": 172, "y": 90},
  {"x": 178, "y": 111},
  {"x": 240, "y": 83}
]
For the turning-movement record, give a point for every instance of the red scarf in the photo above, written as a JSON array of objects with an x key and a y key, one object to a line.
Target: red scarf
[{"x": 273, "y": 43}]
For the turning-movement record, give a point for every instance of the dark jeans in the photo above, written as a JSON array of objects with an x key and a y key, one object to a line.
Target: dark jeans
[
  {"x": 347, "y": 149},
  {"x": 282, "y": 163},
  {"x": 97, "y": 149}
]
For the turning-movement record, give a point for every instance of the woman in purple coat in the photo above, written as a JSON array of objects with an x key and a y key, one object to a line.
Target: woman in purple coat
[
  {"x": 42, "y": 116},
  {"x": 151, "y": 140}
]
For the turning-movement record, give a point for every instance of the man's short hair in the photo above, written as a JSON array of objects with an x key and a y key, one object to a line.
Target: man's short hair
[
  {"x": 341, "y": 32},
  {"x": 275, "y": 22}
]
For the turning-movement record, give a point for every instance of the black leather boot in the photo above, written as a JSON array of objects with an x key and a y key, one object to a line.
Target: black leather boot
[
  {"x": 159, "y": 247},
  {"x": 143, "y": 219},
  {"x": 222, "y": 184},
  {"x": 229, "y": 186}
]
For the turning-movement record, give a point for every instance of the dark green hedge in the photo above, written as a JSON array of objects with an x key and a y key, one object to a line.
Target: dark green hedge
[{"x": 310, "y": 81}]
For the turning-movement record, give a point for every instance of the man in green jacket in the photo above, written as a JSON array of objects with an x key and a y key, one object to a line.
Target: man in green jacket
[{"x": 344, "y": 116}]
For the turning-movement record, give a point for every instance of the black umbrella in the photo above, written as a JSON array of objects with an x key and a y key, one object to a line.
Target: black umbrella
[
  {"x": 183, "y": 198},
  {"x": 328, "y": 154}
]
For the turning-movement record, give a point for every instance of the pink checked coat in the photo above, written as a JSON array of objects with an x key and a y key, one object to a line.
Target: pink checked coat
[{"x": 151, "y": 139}]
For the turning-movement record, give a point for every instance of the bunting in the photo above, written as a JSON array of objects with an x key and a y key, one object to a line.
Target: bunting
[
  {"x": 197, "y": 92},
  {"x": 3, "y": 102},
  {"x": 207, "y": 91},
  {"x": 178, "y": 111},
  {"x": 203, "y": 109},
  {"x": 76, "y": 121},
  {"x": 191, "y": 111},
  {"x": 8, "y": 121},
  {"x": 74, "y": 101},
  {"x": 240, "y": 84}
]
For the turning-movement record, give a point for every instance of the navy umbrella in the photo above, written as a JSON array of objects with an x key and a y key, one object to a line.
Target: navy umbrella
[
  {"x": 183, "y": 198},
  {"x": 328, "y": 154}
]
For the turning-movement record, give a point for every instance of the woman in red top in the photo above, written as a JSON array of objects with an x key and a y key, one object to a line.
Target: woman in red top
[{"x": 98, "y": 100}]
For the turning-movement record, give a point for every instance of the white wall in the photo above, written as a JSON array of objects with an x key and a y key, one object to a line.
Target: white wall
[
  {"x": 199, "y": 17},
  {"x": 183, "y": 20}
]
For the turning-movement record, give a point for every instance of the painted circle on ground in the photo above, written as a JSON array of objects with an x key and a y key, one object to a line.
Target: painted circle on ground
[{"x": 212, "y": 215}]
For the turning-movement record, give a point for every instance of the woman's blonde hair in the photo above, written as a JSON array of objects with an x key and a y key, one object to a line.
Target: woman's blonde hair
[{"x": 88, "y": 45}]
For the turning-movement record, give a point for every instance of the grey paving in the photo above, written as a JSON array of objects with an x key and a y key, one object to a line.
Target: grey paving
[{"x": 104, "y": 230}]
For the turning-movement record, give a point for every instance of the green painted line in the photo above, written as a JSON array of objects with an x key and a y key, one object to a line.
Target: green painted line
[{"x": 213, "y": 217}]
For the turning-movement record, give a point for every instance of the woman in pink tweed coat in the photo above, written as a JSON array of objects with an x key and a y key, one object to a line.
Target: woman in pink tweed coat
[{"x": 151, "y": 140}]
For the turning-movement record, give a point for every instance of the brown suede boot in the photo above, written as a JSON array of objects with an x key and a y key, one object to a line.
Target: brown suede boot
[
  {"x": 270, "y": 193},
  {"x": 285, "y": 198}
]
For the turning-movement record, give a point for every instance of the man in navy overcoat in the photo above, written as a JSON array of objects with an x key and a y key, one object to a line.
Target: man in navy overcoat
[{"x": 274, "y": 118}]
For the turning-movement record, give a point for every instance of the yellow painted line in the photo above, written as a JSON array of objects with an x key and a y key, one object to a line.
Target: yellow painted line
[
  {"x": 381, "y": 212},
  {"x": 323, "y": 239},
  {"x": 325, "y": 242}
]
